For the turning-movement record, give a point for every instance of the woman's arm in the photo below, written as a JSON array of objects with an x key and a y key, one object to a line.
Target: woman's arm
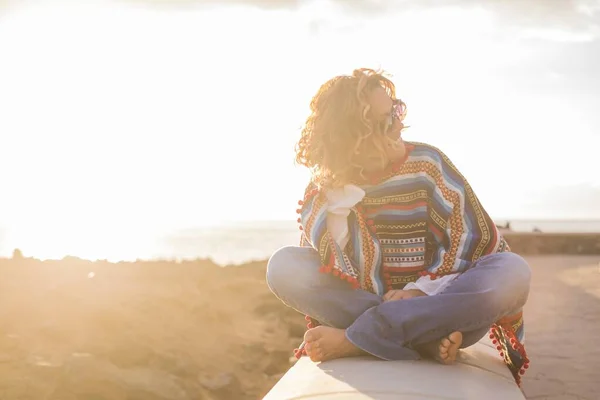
[{"x": 459, "y": 223}]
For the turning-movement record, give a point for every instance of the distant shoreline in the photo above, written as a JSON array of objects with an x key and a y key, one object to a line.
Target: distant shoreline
[{"x": 526, "y": 243}]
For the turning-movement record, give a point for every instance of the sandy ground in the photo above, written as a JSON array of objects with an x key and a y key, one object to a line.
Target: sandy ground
[
  {"x": 73, "y": 329},
  {"x": 146, "y": 331},
  {"x": 563, "y": 327}
]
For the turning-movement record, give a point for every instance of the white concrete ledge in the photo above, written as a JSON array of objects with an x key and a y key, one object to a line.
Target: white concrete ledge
[{"x": 479, "y": 374}]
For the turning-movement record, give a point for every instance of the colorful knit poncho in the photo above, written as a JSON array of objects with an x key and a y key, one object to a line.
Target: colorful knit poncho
[{"x": 418, "y": 217}]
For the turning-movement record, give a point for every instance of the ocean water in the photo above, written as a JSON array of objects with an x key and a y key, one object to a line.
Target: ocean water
[
  {"x": 227, "y": 244},
  {"x": 231, "y": 243},
  {"x": 237, "y": 243}
]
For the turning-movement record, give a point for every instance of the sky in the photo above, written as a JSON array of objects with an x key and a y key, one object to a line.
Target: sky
[{"x": 127, "y": 118}]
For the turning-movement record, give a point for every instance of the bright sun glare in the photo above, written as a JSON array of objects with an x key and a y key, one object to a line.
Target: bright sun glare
[{"x": 121, "y": 123}]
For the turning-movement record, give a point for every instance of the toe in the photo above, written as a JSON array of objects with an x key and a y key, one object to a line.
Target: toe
[
  {"x": 313, "y": 334},
  {"x": 455, "y": 338},
  {"x": 310, "y": 335},
  {"x": 445, "y": 343},
  {"x": 308, "y": 347},
  {"x": 316, "y": 355},
  {"x": 442, "y": 349}
]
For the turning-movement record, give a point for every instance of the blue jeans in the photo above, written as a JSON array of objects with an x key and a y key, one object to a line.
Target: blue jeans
[{"x": 495, "y": 286}]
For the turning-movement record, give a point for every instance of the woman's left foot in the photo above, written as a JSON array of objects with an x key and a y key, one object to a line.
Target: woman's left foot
[
  {"x": 444, "y": 350},
  {"x": 325, "y": 343},
  {"x": 448, "y": 348}
]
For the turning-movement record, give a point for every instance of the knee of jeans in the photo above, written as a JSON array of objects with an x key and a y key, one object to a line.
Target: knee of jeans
[
  {"x": 516, "y": 271},
  {"x": 518, "y": 267},
  {"x": 292, "y": 268}
]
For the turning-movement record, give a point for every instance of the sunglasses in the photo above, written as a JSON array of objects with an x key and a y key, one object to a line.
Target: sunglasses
[{"x": 398, "y": 111}]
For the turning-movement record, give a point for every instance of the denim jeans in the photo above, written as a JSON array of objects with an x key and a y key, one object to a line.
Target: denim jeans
[{"x": 495, "y": 286}]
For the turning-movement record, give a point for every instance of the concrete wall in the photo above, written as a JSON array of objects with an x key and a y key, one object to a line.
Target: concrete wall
[{"x": 553, "y": 243}]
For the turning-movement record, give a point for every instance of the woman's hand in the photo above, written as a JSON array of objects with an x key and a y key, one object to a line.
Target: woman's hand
[
  {"x": 395, "y": 147},
  {"x": 395, "y": 150},
  {"x": 393, "y": 295},
  {"x": 395, "y": 131}
]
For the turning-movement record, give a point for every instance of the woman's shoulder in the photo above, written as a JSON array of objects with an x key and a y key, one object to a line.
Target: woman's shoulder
[
  {"x": 433, "y": 155},
  {"x": 420, "y": 149},
  {"x": 427, "y": 152}
]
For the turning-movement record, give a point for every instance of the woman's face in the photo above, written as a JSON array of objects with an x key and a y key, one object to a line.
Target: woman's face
[
  {"x": 381, "y": 111},
  {"x": 381, "y": 104}
]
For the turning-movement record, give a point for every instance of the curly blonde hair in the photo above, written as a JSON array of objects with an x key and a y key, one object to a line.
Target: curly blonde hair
[{"x": 339, "y": 138}]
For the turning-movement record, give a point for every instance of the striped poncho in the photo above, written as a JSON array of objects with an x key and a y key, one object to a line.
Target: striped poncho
[{"x": 418, "y": 217}]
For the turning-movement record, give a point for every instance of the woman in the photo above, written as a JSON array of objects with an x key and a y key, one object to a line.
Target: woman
[{"x": 398, "y": 259}]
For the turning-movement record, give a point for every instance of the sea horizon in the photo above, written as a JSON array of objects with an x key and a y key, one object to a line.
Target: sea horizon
[{"x": 233, "y": 243}]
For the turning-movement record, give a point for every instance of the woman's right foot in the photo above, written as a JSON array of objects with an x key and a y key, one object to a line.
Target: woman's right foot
[{"x": 325, "y": 343}]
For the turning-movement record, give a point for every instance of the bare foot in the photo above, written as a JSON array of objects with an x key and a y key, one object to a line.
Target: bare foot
[
  {"x": 444, "y": 350},
  {"x": 325, "y": 343},
  {"x": 448, "y": 348}
]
